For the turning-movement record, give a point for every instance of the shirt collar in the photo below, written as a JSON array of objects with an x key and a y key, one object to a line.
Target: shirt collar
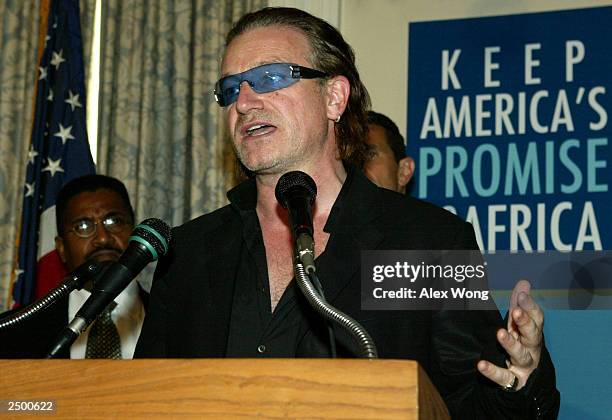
[{"x": 243, "y": 197}]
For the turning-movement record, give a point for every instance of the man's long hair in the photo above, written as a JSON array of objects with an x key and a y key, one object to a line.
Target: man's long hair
[{"x": 329, "y": 53}]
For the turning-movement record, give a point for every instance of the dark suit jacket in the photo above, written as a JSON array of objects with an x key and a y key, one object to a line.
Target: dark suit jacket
[
  {"x": 192, "y": 296},
  {"x": 32, "y": 339}
]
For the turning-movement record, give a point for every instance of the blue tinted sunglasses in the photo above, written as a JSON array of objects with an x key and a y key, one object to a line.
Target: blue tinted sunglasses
[{"x": 262, "y": 79}]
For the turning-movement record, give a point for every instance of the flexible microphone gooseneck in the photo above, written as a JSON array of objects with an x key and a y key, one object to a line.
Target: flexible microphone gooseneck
[
  {"x": 150, "y": 240},
  {"x": 296, "y": 192},
  {"x": 75, "y": 280}
]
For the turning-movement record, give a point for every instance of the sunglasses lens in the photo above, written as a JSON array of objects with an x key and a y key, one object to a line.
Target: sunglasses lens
[
  {"x": 271, "y": 77},
  {"x": 227, "y": 89},
  {"x": 262, "y": 79}
]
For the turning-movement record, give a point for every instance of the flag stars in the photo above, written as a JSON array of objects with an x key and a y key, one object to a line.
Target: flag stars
[
  {"x": 29, "y": 189},
  {"x": 47, "y": 38},
  {"x": 18, "y": 272},
  {"x": 50, "y": 96},
  {"x": 31, "y": 155},
  {"x": 64, "y": 133},
  {"x": 73, "y": 100},
  {"x": 57, "y": 59},
  {"x": 53, "y": 166},
  {"x": 43, "y": 73}
]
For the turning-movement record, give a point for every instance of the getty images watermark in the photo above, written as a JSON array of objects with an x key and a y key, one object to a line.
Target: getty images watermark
[
  {"x": 460, "y": 280},
  {"x": 421, "y": 280}
]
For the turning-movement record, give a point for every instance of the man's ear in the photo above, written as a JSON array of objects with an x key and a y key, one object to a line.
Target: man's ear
[
  {"x": 59, "y": 247},
  {"x": 405, "y": 171},
  {"x": 338, "y": 91}
]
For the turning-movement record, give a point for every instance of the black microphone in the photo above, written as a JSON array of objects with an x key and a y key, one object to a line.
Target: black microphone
[
  {"x": 150, "y": 240},
  {"x": 296, "y": 191}
]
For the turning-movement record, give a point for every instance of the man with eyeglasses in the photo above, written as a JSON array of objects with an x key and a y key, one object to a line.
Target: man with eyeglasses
[
  {"x": 94, "y": 221},
  {"x": 293, "y": 100}
]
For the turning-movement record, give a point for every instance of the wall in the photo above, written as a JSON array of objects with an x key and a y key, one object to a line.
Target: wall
[{"x": 378, "y": 31}]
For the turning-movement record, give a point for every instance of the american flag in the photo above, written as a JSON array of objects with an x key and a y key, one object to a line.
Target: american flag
[{"x": 58, "y": 153}]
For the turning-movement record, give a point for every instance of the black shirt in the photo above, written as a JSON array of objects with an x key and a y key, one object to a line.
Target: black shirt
[{"x": 254, "y": 330}]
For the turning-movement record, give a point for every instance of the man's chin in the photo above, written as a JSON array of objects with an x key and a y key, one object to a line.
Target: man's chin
[{"x": 259, "y": 162}]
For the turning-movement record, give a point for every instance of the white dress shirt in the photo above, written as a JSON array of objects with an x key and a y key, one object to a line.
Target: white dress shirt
[{"x": 128, "y": 316}]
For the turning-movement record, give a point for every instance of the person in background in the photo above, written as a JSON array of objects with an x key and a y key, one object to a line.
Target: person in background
[
  {"x": 94, "y": 219},
  {"x": 387, "y": 164}
]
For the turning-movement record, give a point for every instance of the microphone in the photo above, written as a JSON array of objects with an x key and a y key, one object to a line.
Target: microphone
[
  {"x": 148, "y": 242},
  {"x": 296, "y": 191}
]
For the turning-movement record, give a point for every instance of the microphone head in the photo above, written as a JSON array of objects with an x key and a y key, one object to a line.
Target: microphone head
[
  {"x": 295, "y": 181},
  {"x": 154, "y": 234}
]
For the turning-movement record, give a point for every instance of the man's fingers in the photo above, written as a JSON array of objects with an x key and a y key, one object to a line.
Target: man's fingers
[
  {"x": 522, "y": 340},
  {"x": 498, "y": 375},
  {"x": 519, "y": 354},
  {"x": 529, "y": 330},
  {"x": 522, "y": 286},
  {"x": 526, "y": 302}
]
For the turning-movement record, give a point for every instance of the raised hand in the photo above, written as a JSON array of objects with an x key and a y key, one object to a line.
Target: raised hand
[{"x": 522, "y": 341}]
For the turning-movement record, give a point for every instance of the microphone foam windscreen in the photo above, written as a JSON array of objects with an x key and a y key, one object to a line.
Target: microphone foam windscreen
[
  {"x": 291, "y": 180},
  {"x": 156, "y": 232}
]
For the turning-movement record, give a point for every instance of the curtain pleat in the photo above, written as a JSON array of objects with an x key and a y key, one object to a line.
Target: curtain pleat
[
  {"x": 18, "y": 73},
  {"x": 160, "y": 130}
]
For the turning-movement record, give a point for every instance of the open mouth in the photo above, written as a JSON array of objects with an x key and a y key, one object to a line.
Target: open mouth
[{"x": 259, "y": 130}]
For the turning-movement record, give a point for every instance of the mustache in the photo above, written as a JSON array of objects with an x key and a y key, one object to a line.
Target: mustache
[
  {"x": 91, "y": 255},
  {"x": 256, "y": 115}
]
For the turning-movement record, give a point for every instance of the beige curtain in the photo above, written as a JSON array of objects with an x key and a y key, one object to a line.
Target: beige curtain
[
  {"x": 88, "y": 10},
  {"x": 18, "y": 72},
  {"x": 159, "y": 128}
]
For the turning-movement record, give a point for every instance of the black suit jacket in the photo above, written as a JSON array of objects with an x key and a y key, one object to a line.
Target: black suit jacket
[
  {"x": 192, "y": 296},
  {"x": 32, "y": 339}
]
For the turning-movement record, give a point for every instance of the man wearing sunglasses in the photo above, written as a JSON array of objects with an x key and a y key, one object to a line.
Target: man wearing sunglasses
[
  {"x": 293, "y": 100},
  {"x": 94, "y": 221}
]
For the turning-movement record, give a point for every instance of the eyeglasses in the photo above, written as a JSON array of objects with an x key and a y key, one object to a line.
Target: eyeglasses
[
  {"x": 113, "y": 223},
  {"x": 262, "y": 79}
]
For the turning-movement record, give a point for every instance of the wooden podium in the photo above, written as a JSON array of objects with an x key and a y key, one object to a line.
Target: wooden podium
[{"x": 224, "y": 388}]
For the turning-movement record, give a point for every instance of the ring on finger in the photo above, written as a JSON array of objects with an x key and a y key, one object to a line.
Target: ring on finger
[{"x": 511, "y": 386}]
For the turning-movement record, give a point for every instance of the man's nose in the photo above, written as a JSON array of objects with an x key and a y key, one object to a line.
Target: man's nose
[
  {"x": 102, "y": 235},
  {"x": 248, "y": 99}
]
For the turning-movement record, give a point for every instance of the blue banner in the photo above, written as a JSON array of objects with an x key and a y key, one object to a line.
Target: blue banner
[{"x": 508, "y": 124}]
